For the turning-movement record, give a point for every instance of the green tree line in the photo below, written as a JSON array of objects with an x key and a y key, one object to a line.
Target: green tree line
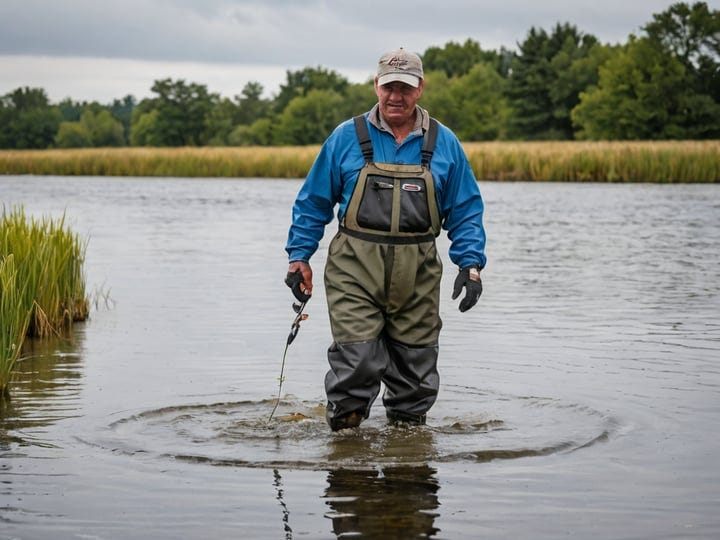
[{"x": 560, "y": 84}]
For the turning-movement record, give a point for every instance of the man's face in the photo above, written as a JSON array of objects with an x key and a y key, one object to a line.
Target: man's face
[{"x": 397, "y": 101}]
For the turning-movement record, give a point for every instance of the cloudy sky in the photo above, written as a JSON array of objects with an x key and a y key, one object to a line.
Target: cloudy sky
[{"x": 106, "y": 49}]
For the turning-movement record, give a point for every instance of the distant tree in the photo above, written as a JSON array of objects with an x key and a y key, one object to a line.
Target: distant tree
[
  {"x": 259, "y": 133},
  {"x": 27, "y": 120},
  {"x": 309, "y": 119},
  {"x": 301, "y": 83},
  {"x": 251, "y": 106},
  {"x": 93, "y": 129},
  {"x": 144, "y": 130},
  {"x": 181, "y": 110},
  {"x": 454, "y": 59},
  {"x": 104, "y": 128},
  {"x": 70, "y": 110},
  {"x": 357, "y": 99},
  {"x": 643, "y": 94},
  {"x": 72, "y": 135},
  {"x": 473, "y": 105},
  {"x": 692, "y": 34},
  {"x": 540, "y": 98},
  {"x": 219, "y": 122},
  {"x": 122, "y": 110}
]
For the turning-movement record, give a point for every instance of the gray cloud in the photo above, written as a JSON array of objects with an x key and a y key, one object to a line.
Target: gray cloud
[
  {"x": 228, "y": 42},
  {"x": 331, "y": 33}
]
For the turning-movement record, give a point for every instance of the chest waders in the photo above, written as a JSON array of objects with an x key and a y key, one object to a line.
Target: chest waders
[{"x": 382, "y": 281}]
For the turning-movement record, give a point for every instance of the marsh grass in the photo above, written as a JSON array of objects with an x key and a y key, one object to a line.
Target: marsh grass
[
  {"x": 42, "y": 284},
  {"x": 15, "y": 311},
  {"x": 618, "y": 161},
  {"x": 626, "y": 161},
  {"x": 247, "y": 162}
]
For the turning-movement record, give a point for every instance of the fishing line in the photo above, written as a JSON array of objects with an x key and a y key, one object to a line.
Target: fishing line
[{"x": 299, "y": 317}]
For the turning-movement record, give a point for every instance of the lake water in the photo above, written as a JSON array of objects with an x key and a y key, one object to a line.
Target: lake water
[{"x": 580, "y": 398}]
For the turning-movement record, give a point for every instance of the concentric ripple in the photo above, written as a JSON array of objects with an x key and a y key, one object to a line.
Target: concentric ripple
[{"x": 466, "y": 425}]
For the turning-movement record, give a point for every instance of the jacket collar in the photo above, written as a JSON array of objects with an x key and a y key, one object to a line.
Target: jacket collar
[{"x": 422, "y": 120}]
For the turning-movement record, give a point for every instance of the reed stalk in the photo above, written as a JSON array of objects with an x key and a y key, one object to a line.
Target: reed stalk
[
  {"x": 15, "y": 311},
  {"x": 43, "y": 284},
  {"x": 571, "y": 161},
  {"x": 616, "y": 161}
]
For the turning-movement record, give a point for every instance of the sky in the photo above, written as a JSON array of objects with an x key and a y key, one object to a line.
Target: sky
[{"x": 100, "y": 50}]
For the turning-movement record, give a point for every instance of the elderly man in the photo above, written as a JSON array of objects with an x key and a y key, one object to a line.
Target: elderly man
[{"x": 397, "y": 177}]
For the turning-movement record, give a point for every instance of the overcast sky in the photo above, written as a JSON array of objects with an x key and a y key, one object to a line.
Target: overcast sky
[{"x": 105, "y": 49}]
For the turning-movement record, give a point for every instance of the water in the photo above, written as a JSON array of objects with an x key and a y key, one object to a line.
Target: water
[{"x": 580, "y": 398}]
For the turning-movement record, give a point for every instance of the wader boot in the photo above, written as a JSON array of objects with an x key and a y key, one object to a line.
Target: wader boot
[{"x": 382, "y": 281}]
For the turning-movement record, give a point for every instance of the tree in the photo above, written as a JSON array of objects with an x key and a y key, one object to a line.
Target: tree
[
  {"x": 251, "y": 106},
  {"x": 357, "y": 99},
  {"x": 144, "y": 130},
  {"x": 93, "y": 129},
  {"x": 301, "y": 83},
  {"x": 70, "y": 110},
  {"x": 309, "y": 119},
  {"x": 219, "y": 122},
  {"x": 642, "y": 94},
  {"x": 453, "y": 59},
  {"x": 122, "y": 109},
  {"x": 692, "y": 34},
  {"x": 473, "y": 105},
  {"x": 541, "y": 103},
  {"x": 259, "y": 133},
  {"x": 27, "y": 120},
  {"x": 180, "y": 108},
  {"x": 72, "y": 135}
]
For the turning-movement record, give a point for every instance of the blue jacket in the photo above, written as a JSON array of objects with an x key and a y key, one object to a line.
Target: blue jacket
[{"x": 332, "y": 179}]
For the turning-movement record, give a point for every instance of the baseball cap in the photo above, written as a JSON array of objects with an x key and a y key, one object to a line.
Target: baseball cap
[{"x": 400, "y": 65}]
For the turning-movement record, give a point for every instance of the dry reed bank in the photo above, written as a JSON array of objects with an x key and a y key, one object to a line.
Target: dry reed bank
[{"x": 618, "y": 161}]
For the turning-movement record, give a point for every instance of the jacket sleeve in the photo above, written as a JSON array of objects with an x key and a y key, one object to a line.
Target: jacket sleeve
[
  {"x": 462, "y": 206},
  {"x": 313, "y": 208}
]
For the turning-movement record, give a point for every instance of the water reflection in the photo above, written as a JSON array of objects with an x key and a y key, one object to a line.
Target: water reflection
[
  {"x": 45, "y": 389},
  {"x": 390, "y": 500}
]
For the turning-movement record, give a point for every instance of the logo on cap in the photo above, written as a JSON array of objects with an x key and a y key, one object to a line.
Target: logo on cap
[{"x": 397, "y": 62}]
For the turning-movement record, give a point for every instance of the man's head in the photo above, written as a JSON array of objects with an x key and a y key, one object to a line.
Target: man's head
[
  {"x": 399, "y": 84},
  {"x": 400, "y": 65}
]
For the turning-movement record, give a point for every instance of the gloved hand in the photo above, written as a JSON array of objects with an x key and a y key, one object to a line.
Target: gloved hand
[
  {"x": 470, "y": 279},
  {"x": 294, "y": 280}
]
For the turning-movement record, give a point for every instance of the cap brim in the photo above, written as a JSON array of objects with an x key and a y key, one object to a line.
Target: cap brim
[{"x": 412, "y": 80}]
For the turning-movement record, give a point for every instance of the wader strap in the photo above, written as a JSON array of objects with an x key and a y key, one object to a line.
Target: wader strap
[
  {"x": 363, "y": 136},
  {"x": 428, "y": 147},
  {"x": 382, "y": 239}
]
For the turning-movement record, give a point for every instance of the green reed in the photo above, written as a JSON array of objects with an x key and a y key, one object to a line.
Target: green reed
[
  {"x": 43, "y": 284},
  {"x": 15, "y": 311}
]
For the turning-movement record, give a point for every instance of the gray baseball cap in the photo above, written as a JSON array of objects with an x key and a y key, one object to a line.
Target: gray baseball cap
[{"x": 400, "y": 65}]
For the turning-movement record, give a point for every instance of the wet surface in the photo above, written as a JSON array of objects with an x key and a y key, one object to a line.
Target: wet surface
[
  {"x": 241, "y": 434},
  {"x": 581, "y": 397}
]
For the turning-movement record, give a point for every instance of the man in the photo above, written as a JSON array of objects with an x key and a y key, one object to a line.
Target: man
[{"x": 397, "y": 177}]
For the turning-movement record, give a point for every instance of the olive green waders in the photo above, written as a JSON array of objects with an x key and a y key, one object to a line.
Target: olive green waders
[{"x": 382, "y": 281}]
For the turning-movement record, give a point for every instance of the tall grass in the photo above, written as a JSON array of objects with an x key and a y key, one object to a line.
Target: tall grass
[
  {"x": 620, "y": 161},
  {"x": 15, "y": 311},
  {"x": 43, "y": 285},
  {"x": 626, "y": 161},
  {"x": 247, "y": 162}
]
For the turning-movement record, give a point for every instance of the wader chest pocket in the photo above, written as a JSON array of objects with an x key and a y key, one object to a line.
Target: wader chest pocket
[{"x": 384, "y": 195}]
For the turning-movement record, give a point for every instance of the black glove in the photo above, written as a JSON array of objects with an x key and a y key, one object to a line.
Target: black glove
[
  {"x": 294, "y": 280},
  {"x": 473, "y": 287}
]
